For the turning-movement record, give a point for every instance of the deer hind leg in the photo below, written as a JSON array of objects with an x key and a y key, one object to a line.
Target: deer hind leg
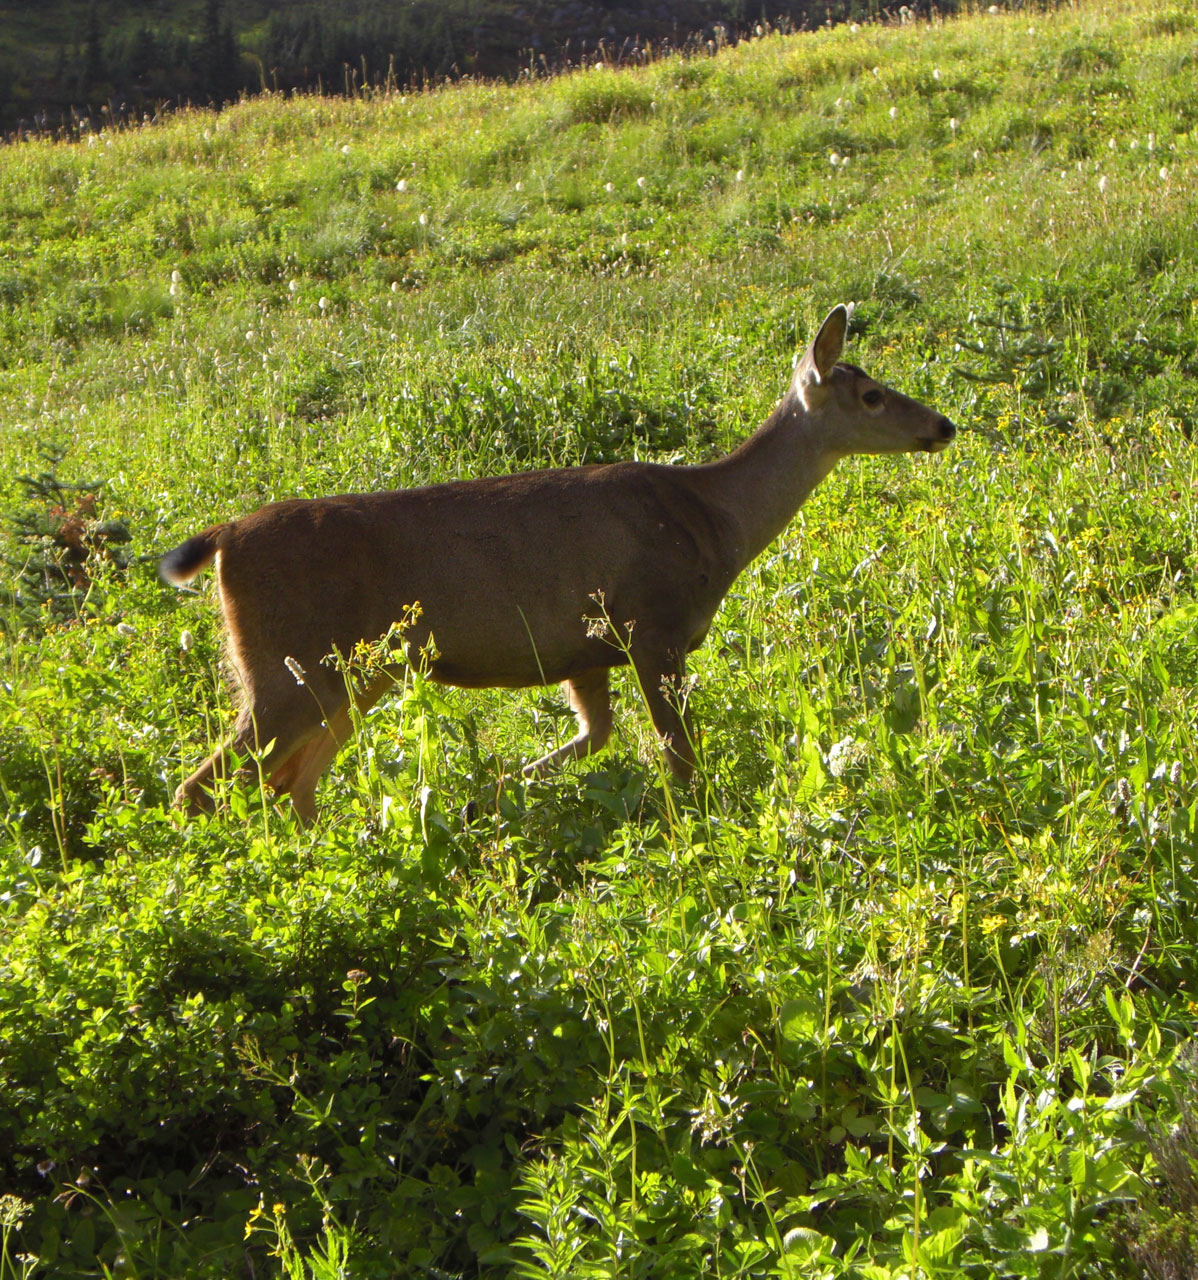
[
  {"x": 300, "y": 772},
  {"x": 590, "y": 700},
  {"x": 287, "y": 717},
  {"x": 660, "y": 670}
]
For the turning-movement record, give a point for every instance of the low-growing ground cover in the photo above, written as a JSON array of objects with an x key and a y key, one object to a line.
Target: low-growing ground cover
[{"x": 905, "y": 986}]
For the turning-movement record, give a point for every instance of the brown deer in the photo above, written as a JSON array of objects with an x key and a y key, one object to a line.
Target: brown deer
[{"x": 554, "y": 575}]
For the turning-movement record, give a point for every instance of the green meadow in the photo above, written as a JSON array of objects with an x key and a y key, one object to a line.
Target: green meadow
[{"x": 905, "y": 984}]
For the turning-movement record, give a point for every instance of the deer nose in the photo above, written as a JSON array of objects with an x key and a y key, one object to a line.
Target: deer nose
[{"x": 947, "y": 429}]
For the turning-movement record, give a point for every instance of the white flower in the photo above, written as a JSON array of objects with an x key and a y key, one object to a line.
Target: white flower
[
  {"x": 954, "y": 124},
  {"x": 293, "y": 286},
  {"x": 642, "y": 183},
  {"x": 609, "y": 187},
  {"x": 894, "y": 113},
  {"x": 935, "y": 73},
  {"x": 834, "y": 160},
  {"x": 250, "y": 335},
  {"x": 854, "y": 27},
  {"x": 1114, "y": 146},
  {"x": 175, "y": 277},
  {"x": 1102, "y": 184},
  {"x": 740, "y": 175},
  {"x": 186, "y": 640},
  {"x": 423, "y": 219},
  {"x": 993, "y": 9},
  {"x": 394, "y": 286},
  {"x": 176, "y": 289},
  {"x": 1164, "y": 174},
  {"x": 345, "y": 149},
  {"x": 402, "y": 184},
  {"x": 323, "y": 304},
  {"x": 125, "y": 629},
  {"x": 877, "y": 71},
  {"x": 296, "y": 670},
  {"x": 843, "y": 755},
  {"x": 519, "y": 186}
]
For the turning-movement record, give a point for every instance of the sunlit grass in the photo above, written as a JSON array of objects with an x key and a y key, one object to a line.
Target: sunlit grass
[{"x": 895, "y": 989}]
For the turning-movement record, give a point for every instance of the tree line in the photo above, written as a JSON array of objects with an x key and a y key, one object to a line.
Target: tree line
[{"x": 121, "y": 64}]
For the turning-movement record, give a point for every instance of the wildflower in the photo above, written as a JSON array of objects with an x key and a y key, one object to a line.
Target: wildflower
[
  {"x": 126, "y": 630},
  {"x": 854, "y": 27},
  {"x": 1102, "y": 185},
  {"x": 176, "y": 289},
  {"x": 609, "y": 187},
  {"x": 834, "y": 160},
  {"x": 296, "y": 670},
  {"x": 894, "y": 113},
  {"x": 1164, "y": 174},
  {"x": 250, "y": 335},
  {"x": 394, "y": 286},
  {"x": 1152, "y": 142},
  {"x": 423, "y": 219},
  {"x": 1114, "y": 146},
  {"x": 519, "y": 186},
  {"x": 954, "y": 124},
  {"x": 642, "y": 182},
  {"x": 740, "y": 175},
  {"x": 993, "y": 9},
  {"x": 293, "y": 286},
  {"x": 935, "y": 73},
  {"x": 402, "y": 185},
  {"x": 176, "y": 277},
  {"x": 843, "y": 755},
  {"x": 186, "y": 640},
  {"x": 345, "y": 149},
  {"x": 323, "y": 304},
  {"x": 877, "y": 71},
  {"x": 1175, "y": 772}
]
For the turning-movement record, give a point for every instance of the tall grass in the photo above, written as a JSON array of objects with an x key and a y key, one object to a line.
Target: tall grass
[{"x": 899, "y": 988}]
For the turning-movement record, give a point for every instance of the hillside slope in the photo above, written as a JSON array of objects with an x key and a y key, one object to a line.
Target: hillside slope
[{"x": 905, "y": 984}]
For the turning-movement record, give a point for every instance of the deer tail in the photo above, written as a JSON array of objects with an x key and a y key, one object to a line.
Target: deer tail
[{"x": 185, "y": 561}]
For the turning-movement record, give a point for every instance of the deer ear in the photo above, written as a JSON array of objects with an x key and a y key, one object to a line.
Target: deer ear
[{"x": 821, "y": 356}]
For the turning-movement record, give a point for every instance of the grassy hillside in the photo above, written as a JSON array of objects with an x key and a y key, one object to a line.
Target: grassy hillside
[{"x": 905, "y": 986}]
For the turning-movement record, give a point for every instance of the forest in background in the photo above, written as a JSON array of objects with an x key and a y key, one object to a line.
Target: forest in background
[{"x": 72, "y": 61}]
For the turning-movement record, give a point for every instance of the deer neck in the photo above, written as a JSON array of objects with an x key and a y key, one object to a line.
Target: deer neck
[{"x": 767, "y": 479}]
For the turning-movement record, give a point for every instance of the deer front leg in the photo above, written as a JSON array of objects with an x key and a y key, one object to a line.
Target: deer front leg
[
  {"x": 661, "y": 671},
  {"x": 590, "y": 700}
]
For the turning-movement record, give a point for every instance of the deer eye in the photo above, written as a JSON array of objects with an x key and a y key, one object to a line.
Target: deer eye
[{"x": 872, "y": 398}]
